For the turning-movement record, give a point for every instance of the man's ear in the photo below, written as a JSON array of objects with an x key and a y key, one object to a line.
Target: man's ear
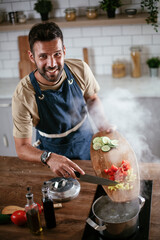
[{"x": 30, "y": 54}]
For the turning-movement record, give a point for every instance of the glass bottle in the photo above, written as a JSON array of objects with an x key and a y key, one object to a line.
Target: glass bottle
[
  {"x": 48, "y": 208},
  {"x": 136, "y": 61},
  {"x": 32, "y": 214}
]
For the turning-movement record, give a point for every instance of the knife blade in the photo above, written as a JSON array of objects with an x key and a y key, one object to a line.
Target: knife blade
[{"x": 95, "y": 179}]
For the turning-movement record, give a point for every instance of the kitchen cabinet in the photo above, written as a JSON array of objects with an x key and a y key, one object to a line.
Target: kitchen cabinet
[
  {"x": 7, "y": 147},
  {"x": 102, "y": 20}
]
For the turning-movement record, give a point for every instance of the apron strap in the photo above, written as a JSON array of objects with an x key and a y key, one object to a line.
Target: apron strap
[
  {"x": 69, "y": 74},
  {"x": 36, "y": 85}
]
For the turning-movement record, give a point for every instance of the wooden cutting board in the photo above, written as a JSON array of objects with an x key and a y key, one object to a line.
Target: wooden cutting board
[
  {"x": 25, "y": 65},
  {"x": 102, "y": 160}
]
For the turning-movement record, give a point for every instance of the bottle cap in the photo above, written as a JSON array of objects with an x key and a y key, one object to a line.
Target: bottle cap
[{"x": 29, "y": 195}]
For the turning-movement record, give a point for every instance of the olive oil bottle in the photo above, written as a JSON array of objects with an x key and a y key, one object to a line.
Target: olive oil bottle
[{"x": 32, "y": 214}]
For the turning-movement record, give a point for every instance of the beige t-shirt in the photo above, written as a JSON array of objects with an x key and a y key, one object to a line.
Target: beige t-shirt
[{"x": 24, "y": 107}]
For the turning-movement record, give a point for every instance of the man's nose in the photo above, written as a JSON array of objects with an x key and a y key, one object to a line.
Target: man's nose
[{"x": 51, "y": 61}]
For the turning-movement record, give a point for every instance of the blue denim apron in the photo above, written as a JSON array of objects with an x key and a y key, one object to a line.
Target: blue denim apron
[{"x": 64, "y": 127}]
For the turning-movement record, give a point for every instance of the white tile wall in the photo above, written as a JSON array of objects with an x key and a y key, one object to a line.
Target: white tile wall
[{"x": 105, "y": 43}]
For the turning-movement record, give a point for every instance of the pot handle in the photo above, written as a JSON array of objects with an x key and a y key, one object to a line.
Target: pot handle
[
  {"x": 95, "y": 225},
  {"x": 142, "y": 201}
]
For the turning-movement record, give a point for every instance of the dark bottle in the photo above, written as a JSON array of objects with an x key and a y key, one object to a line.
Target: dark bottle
[
  {"x": 32, "y": 214},
  {"x": 48, "y": 208}
]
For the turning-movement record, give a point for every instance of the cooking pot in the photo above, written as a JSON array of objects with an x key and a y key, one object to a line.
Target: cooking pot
[{"x": 116, "y": 220}]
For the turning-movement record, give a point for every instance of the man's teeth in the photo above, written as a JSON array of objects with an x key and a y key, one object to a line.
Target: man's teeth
[{"x": 52, "y": 70}]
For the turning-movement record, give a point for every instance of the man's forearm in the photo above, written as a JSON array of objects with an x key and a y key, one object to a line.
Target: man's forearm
[{"x": 29, "y": 153}]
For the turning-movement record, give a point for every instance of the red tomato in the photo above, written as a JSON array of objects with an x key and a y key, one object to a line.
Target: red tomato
[
  {"x": 125, "y": 165},
  {"x": 40, "y": 208},
  {"x": 112, "y": 178},
  {"x": 114, "y": 168},
  {"x": 19, "y": 217}
]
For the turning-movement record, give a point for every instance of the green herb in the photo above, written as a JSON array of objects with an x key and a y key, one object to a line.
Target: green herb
[
  {"x": 152, "y": 9},
  {"x": 43, "y": 6},
  {"x": 110, "y": 4},
  {"x": 153, "y": 62}
]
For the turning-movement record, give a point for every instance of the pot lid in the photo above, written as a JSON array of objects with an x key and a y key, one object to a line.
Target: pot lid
[{"x": 62, "y": 189}]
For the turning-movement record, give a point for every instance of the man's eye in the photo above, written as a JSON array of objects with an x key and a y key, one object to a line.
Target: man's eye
[
  {"x": 42, "y": 56},
  {"x": 58, "y": 54}
]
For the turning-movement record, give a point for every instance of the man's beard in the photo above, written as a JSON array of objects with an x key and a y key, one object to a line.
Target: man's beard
[{"x": 55, "y": 78}]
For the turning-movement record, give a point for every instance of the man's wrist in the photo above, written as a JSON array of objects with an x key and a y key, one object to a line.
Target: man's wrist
[{"x": 45, "y": 157}]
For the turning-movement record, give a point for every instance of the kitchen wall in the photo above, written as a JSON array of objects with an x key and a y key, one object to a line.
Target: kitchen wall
[{"x": 105, "y": 43}]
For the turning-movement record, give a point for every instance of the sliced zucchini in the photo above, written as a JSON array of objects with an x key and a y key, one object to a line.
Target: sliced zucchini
[
  {"x": 97, "y": 146},
  {"x": 114, "y": 142},
  {"x": 106, "y": 140},
  {"x": 97, "y": 139},
  {"x": 105, "y": 148}
]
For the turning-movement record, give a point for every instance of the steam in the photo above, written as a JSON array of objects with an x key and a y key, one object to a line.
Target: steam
[{"x": 131, "y": 118}]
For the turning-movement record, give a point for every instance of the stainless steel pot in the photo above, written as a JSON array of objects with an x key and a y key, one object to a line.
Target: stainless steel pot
[{"x": 116, "y": 220}]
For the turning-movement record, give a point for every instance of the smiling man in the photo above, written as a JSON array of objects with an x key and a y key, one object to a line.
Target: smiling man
[{"x": 56, "y": 99}]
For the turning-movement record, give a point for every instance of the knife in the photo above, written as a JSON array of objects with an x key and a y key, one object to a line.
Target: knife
[{"x": 95, "y": 179}]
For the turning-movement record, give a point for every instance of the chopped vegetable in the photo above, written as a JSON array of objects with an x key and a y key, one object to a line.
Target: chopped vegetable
[
  {"x": 106, "y": 140},
  {"x": 104, "y": 143},
  {"x": 105, "y": 148},
  {"x": 97, "y": 146},
  {"x": 123, "y": 174}
]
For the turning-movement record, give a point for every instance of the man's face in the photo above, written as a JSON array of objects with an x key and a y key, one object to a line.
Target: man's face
[{"x": 49, "y": 59}]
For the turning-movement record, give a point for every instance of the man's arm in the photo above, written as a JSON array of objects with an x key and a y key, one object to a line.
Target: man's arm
[
  {"x": 60, "y": 165},
  {"x": 96, "y": 112}
]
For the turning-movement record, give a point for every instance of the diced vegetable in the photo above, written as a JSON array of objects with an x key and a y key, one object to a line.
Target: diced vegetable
[{"x": 123, "y": 175}]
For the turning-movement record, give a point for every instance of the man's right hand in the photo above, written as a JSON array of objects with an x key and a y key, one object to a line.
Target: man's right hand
[{"x": 62, "y": 166}]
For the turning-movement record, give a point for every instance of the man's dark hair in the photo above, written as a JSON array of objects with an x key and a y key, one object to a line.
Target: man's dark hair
[{"x": 44, "y": 32}]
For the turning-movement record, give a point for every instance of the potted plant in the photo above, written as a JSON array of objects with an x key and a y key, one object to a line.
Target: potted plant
[
  {"x": 110, "y": 6},
  {"x": 152, "y": 9},
  {"x": 153, "y": 64},
  {"x": 43, "y": 7}
]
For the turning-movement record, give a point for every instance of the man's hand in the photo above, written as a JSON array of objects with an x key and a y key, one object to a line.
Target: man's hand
[
  {"x": 62, "y": 166},
  {"x": 107, "y": 127}
]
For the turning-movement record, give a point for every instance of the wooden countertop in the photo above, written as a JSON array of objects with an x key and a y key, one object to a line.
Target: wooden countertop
[{"x": 16, "y": 175}]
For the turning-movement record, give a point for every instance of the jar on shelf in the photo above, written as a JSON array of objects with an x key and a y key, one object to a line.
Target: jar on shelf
[
  {"x": 136, "y": 61},
  {"x": 118, "y": 69},
  {"x": 91, "y": 12},
  {"x": 70, "y": 14}
]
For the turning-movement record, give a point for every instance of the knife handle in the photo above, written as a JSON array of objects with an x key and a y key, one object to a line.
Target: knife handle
[{"x": 77, "y": 174}]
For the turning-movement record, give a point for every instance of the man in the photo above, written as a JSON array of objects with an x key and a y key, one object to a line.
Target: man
[{"x": 56, "y": 99}]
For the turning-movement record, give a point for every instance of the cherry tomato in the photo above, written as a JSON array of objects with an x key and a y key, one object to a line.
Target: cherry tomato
[
  {"x": 19, "y": 217},
  {"x": 40, "y": 208}
]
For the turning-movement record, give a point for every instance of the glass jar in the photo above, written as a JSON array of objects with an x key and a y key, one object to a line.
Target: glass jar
[
  {"x": 136, "y": 61},
  {"x": 70, "y": 14},
  {"x": 91, "y": 12},
  {"x": 118, "y": 69}
]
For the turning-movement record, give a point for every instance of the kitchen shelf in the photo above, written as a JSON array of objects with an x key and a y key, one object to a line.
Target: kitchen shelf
[{"x": 102, "y": 20}]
